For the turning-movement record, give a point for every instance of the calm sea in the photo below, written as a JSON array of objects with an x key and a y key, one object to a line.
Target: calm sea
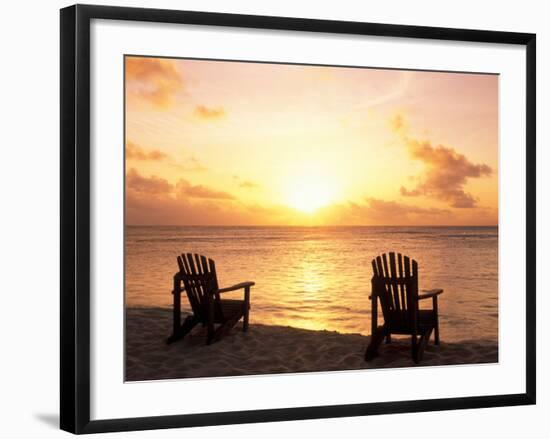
[{"x": 319, "y": 277}]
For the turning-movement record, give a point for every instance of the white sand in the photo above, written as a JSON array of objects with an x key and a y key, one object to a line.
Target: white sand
[{"x": 272, "y": 349}]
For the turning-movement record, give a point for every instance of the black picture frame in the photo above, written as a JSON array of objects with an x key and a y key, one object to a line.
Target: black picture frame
[{"x": 75, "y": 217}]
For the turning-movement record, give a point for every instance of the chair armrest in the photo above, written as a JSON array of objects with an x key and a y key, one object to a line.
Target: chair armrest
[
  {"x": 178, "y": 288},
  {"x": 430, "y": 293},
  {"x": 237, "y": 287}
]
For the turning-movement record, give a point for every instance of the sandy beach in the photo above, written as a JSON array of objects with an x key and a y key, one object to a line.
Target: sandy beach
[{"x": 272, "y": 349}]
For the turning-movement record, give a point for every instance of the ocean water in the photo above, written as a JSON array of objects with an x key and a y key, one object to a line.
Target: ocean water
[{"x": 319, "y": 277}]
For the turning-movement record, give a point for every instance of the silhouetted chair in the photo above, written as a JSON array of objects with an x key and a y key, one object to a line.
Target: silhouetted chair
[
  {"x": 395, "y": 285},
  {"x": 197, "y": 277}
]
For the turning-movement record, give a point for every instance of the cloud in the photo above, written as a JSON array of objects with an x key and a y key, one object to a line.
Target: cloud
[
  {"x": 195, "y": 165},
  {"x": 154, "y": 200},
  {"x": 136, "y": 152},
  {"x": 446, "y": 174},
  {"x": 186, "y": 189},
  {"x": 446, "y": 171},
  {"x": 191, "y": 164},
  {"x": 207, "y": 113},
  {"x": 157, "y": 186},
  {"x": 154, "y": 80},
  {"x": 377, "y": 211},
  {"x": 248, "y": 184},
  {"x": 147, "y": 210},
  {"x": 147, "y": 185},
  {"x": 245, "y": 184},
  {"x": 397, "y": 123}
]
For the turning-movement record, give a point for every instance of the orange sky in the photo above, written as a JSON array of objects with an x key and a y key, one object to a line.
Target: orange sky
[{"x": 229, "y": 143}]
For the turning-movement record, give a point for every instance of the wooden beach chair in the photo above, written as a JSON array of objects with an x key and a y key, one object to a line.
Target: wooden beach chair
[
  {"x": 197, "y": 277},
  {"x": 395, "y": 286}
]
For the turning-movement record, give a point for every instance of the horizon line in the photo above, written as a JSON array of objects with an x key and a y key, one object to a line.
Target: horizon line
[{"x": 314, "y": 225}]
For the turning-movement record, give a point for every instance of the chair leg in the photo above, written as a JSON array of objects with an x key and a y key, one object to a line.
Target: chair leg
[
  {"x": 211, "y": 337},
  {"x": 210, "y": 333},
  {"x": 246, "y": 308},
  {"x": 245, "y": 319},
  {"x": 176, "y": 313},
  {"x": 388, "y": 339},
  {"x": 179, "y": 333},
  {"x": 419, "y": 344},
  {"x": 436, "y": 318},
  {"x": 375, "y": 341},
  {"x": 221, "y": 330},
  {"x": 414, "y": 349}
]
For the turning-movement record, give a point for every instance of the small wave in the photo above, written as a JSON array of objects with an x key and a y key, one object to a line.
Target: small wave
[{"x": 472, "y": 236}]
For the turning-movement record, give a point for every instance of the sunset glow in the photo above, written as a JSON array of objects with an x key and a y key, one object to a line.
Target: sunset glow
[
  {"x": 234, "y": 143},
  {"x": 310, "y": 190},
  {"x": 309, "y": 196},
  {"x": 302, "y": 184}
]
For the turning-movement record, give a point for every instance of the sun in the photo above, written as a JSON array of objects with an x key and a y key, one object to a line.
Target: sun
[{"x": 310, "y": 193}]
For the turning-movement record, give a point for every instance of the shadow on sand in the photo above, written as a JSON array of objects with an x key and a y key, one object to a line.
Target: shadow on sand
[{"x": 271, "y": 349}]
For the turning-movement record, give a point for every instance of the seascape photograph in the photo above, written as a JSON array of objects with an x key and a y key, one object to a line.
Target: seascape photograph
[{"x": 284, "y": 218}]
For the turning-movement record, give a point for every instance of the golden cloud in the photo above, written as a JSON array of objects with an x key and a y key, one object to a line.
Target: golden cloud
[
  {"x": 186, "y": 189},
  {"x": 245, "y": 184},
  {"x": 446, "y": 174},
  {"x": 446, "y": 171},
  {"x": 154, "y": 80},
  {"x": 207, "y": 113},
  {"x": 389, "y": 212},
  {"x": 147, "y": 185},
  {"x": 136, "y": 152}
]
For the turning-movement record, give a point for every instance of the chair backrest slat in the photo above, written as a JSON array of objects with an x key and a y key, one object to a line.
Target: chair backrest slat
[
  {"x": 396, "y": 285},
  {"x": 200, "y": 282},
  {"x": 401, "y": 286},
  {"x": 387, "y": 276},
  {"x": 393, "y": 283},
  {"x": 374, "y": 268}
]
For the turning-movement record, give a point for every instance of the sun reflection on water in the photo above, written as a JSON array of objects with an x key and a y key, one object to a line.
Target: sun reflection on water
[{"x": 319, "y": 278}]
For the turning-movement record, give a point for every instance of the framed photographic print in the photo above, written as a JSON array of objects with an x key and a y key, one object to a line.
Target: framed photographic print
[{"x": 268, "y": 218}]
